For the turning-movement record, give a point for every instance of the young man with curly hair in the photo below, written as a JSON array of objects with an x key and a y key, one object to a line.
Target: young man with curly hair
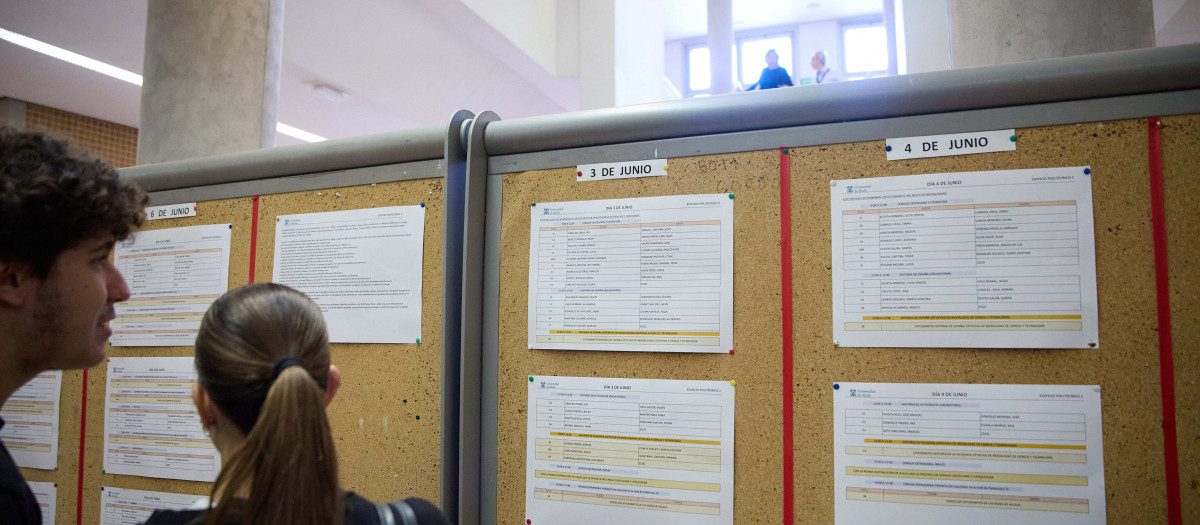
[{"x": 60, "y": 215}]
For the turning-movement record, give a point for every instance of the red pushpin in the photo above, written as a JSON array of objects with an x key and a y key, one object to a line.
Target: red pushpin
[
  {"x": 730, "y": 351},
  {"x": 579, "y": 174}
]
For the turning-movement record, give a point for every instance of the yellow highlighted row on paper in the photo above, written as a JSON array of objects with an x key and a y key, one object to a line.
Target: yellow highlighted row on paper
[
  {"x": 1032, "y": 479},
  {"x": 635, "y": 482},
  {"x": 973, "y": 444},
  {"x": 637, "y": 438},
  {"x": 986, "y": 455},
  {"x": 966, "y": 317}
]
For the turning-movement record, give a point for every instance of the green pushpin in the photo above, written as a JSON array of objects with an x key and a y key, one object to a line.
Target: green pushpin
[
  {"x": 730, "y": 195},
  {"x": 530, "y": 379},
  {"x": 1013, "y": 138},
  {"x": 418, "y": 418},
  {"x": 785, "y": 150},
  {"x": 418, "y": 339}
]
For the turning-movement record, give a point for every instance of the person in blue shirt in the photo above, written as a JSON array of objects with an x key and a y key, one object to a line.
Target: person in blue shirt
[{"x": 772, "y": 76}]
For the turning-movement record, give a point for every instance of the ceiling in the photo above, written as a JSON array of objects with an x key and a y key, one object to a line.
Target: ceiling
[{"x": 402, "y": 63}]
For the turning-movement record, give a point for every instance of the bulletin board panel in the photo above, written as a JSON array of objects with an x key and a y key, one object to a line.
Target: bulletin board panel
[
  {"x": 386, "y": 418},
  {"x": 237, "y": 212},
  {"x": 66, "y": 476},
  {"x": 1181, "y": 163},
  {"x": 1126, "y": 364},
  {"x": 756, "y": 364}
]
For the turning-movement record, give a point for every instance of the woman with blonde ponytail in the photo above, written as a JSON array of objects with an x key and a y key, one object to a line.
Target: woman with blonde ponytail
[{"x": 262, "y": 355}]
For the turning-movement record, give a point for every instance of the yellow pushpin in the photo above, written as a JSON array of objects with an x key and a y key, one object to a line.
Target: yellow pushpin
[
  {"x": 732, "y": 382},
  {"x": 666, "y": 167}
]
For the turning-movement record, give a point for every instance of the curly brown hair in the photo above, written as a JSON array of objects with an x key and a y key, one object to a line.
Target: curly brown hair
[{"x": 53, "y": 197}]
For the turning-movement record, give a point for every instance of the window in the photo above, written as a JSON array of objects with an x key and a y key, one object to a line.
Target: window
[
  {"x": 864, "y": 48},
  {"x": 754, "y": 52},
  {"x": 749, "y": 59}
]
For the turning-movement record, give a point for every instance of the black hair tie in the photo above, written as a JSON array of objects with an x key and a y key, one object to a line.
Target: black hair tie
[{"x": 283, "y": 363}]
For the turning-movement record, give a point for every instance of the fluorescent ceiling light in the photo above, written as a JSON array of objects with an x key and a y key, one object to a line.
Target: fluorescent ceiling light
[
  {"x": 118, "y": 73},
  {"x": 298, "y": 133},
  {"x": 68, "y": 56}
]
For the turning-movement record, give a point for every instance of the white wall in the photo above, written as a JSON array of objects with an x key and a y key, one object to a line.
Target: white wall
[
  {"x": 673, "y": 64},
  {"x": 812, "y": 37},
  {"x": 926, "y": 35},
  {"x": 530, "y": 24}
]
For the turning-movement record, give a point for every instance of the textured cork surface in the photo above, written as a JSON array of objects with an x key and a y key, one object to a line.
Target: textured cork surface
[
  {"x": 1125, "y": 365},
  {"x": 1181, "y": 168},
  {"x": 386, "y": 418},
  {"x": 236, "y": 212},
  {"x": 756, "y": 363}
]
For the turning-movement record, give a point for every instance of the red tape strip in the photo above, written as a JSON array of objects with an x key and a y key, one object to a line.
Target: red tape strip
[
  {"x": 1166, "y": 362},
  {"x": 785, "y": 254},
  {"x": 253, "y": 236},
  {"x": 82, "y": 441}
]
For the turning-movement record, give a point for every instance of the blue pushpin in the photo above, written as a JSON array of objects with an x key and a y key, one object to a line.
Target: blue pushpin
[
  {"x": 888, "y": 147},
  {"x": 836, "y": 386},
  {"x": 1087, "y": 171},
  {"x": 422, "y": 204}
]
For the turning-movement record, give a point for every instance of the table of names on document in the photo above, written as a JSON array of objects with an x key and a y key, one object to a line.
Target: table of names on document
[
  {"x": 133, "y": 507},
  {"x": 980, "y": 454},
  {"x": 31, "y": 422},
  {"x": 953, "y": 260},
  {"x": 173, "y": 275},
  {"x": 151, "y": 427},
  {"x": 643, "y": 274},
  {"x": 648, "y": 450}
]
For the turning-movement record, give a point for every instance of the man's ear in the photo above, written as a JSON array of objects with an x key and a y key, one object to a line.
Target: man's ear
[
  {"x": 15, "y": 282},
  {"x": 332, "y": 384}
]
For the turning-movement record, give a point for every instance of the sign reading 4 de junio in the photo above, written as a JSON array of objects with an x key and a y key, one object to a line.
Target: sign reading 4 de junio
[
  {"x": 955, "y": 144},
  {"x": 171, "y": 211},
  {"x": 621, "y": 170}
]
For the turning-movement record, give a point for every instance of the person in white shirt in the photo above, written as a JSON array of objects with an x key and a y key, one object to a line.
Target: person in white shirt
[{"x": 825, "y": 74}]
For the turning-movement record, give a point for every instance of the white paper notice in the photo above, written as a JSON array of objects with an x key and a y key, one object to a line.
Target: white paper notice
[
  {"x": 31, "y": 422},
  {"x": 995, "y": 259},
  {"x": 362, "y": 267},
  {"x": 46, "y": 495},
  {"x": 150, "y": 424},
  {"x": 629, "y": 451},
  {"x": 173, "y": 276},
  {"x": 652, "y": 274},
  {"x": 979, "y": 454},
  {"x": 134, "y": 507}
]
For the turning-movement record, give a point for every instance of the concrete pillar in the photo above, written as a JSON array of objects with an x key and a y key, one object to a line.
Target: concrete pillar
[
  {"x": 639, "y": 52},
  {"x": 597, "y": 59},
  {"x": 12, "y": 113},
  {"x": 211, "y": 78},
  {"x": 987, "y": 32},
  {"x": 889, "y": 25},
  {"x": 925, "y": 35},
  {"x": 720, "y": 45}
]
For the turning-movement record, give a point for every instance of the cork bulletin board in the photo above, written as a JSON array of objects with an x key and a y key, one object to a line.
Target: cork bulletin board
[
  {"x": 237, "y": 212},
  {"x": 1126, "y": 365},
  {"x": 756, "y": 362},
  {"x": 1181, "y": 164},
  {"x": 66, "y": 476},
  {"x": 386, "y": 418}
]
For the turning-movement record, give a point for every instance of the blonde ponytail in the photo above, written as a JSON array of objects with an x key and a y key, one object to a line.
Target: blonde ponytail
[{"x": 285, "y": 472}]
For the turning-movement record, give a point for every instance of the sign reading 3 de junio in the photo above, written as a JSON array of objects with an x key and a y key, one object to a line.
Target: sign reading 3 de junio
[{"x": 621, "y": 170}]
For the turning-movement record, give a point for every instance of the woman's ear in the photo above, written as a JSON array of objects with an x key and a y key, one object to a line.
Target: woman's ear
[
  {"x": 204, "y": 407},
  {"x": 332, "y": 384}
]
